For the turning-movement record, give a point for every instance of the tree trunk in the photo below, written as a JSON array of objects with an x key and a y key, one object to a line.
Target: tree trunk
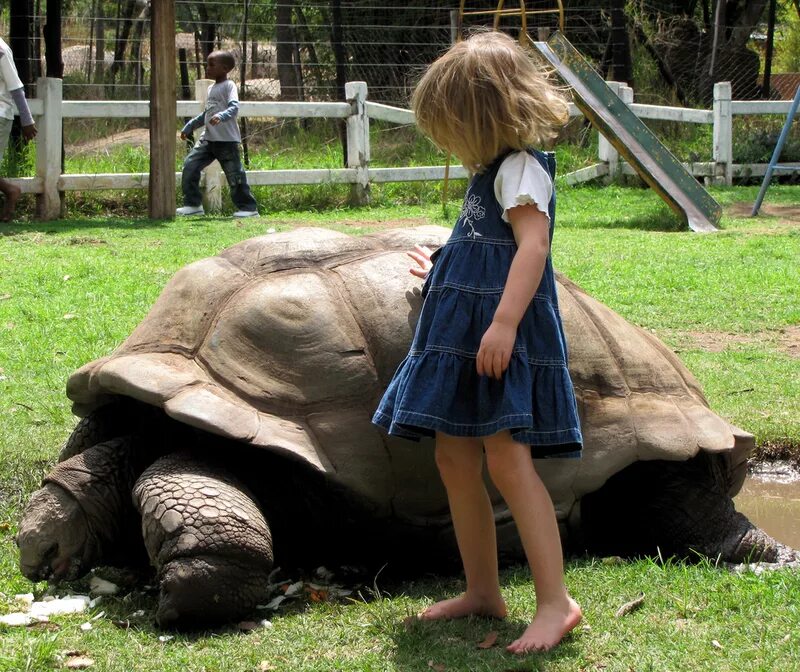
[
  {"x": 770, "y": 45},
  {"x": 208, "y": 31},
  {"x": 137, "y": 69},
  {"x": 54, "y": 66},
  {"x": 125, "y": 20},
  {"x": 337, "y": 45},
  {"x": 100, "y": 45},
  {"x": 622, "y": 67},
  {"x": 284, "y": 51},
  {"x": 20, "y": 37}
]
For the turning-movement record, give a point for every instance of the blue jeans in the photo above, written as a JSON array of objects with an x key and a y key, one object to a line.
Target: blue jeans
[{"x": 227, "y": 153}]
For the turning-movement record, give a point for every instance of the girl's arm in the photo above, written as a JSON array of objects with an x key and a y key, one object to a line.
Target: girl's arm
[{"x": 532, "y": 233}]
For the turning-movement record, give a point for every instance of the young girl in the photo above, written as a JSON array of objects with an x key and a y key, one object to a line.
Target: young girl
[{"x": 487, "y": 370}]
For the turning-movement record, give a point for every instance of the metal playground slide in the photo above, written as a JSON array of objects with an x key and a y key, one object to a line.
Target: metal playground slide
[{"x": 653, "y": 162}]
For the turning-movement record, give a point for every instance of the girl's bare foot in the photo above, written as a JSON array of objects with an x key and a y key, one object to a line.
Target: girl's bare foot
[
  {"x": 465, "y": 605},
  {"x": 548, "y": 628}
]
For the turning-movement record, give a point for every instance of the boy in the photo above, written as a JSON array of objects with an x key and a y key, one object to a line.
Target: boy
[
  {"x": 11, "y": 92},
  {"x": 220, "y": 140}
]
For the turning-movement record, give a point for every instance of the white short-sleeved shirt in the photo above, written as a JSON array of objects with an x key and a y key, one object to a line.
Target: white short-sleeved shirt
[
  {"x": 521, "y": 180},
  {"x": 9, "y": 81}
]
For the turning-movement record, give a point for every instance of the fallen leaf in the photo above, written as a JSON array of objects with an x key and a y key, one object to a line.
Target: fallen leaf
[
  {"x": 80, "y": 663},
  {"x": 99, "y": 586},
  {"x": 612, "y": 560},
  {"x": 293, "y": 589},
  {"x": 122, "y": 625},
  {"x": 318, "y": 595},
  {"x": 66, "y": 277},
  {"x": 70, "y": 316},
  {"x": 436, "y": 666},
  {"x": 716, "y": 644},
  {"x": 786, "y": 638},
  {"x": 247, "y": 626},
  {"x": 264, "y": 666},
  {"x": 4, "y": 527},
  {"x": 165, "y": 638},
  {"x": 5, "y": 297},
  {"x": 86, "y": 626},
  {"x": 489, "y": 641},
  {"x": 628, "y": 607}
]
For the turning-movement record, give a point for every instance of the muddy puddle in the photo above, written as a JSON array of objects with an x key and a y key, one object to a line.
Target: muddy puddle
[{"x": 770, "y": 498}]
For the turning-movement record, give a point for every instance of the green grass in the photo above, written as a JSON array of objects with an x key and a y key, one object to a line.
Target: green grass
[
  {"x": 753, "y": 620},
  {"x": 71, "y": 290}
]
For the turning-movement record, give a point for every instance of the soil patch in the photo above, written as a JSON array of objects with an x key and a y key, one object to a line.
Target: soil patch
[
  {"x": 785, "y": 215},
  {"x": 787, "y": 340},
  {"x": 134, "y": 137}
]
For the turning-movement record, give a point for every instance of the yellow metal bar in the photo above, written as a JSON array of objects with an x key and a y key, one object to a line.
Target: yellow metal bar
[
  {"x": 511, "y": 12},
  {"x": 497, "y": 13}
]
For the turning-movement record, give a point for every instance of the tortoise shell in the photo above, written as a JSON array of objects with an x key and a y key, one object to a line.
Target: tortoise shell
[{"x": 287, "y": 341}]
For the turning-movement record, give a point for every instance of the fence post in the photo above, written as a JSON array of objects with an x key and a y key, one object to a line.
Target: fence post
[
  {"x": 212, "y": 190},
  {"x": 48, "y": 148},
  {"x": 358, "y": 141},
  {"x": 605, "y": 150},
  {"x": 723, "y": 134}
]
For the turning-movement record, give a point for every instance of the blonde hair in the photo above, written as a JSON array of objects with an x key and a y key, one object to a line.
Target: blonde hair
[{"x": 485, "y": 96}]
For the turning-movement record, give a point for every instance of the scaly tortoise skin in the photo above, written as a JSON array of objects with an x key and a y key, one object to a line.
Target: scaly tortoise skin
[{"x": 238, "y": 415}]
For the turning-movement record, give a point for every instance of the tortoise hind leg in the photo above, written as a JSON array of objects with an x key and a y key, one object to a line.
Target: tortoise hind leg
[
  {"x": 206, "y": 537},
  {"x": 672, "y": 509}
]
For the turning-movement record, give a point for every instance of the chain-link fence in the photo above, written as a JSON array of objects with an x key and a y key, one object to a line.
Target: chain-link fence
[{"x": 307, "y": 49}]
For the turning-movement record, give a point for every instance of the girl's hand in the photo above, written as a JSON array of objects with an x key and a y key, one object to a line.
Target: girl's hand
[
  {"x": 214, "y": 120},
  {"x": 422, "y": 255},
  {"x": 495, "y": 350}
]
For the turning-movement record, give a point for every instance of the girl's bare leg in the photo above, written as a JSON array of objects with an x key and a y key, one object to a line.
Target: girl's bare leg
[
  {"x": 460, "y": 462},
  {"x": 511, "y": 468}
]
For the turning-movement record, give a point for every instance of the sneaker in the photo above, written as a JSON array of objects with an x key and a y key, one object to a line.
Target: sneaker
[
  {"x": 190, "y": 210},
  {"x": 245, "y": 213}
]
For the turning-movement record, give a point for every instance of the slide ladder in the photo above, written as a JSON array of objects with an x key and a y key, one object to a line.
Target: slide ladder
[
  {"x": 776, "y": 153},
  {"x": 651, "y": 160}
]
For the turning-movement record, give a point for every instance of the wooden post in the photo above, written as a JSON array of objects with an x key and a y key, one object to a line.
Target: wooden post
[
  {"x": 606, "y": 152},
  {"x": 162, "y": 110},
  {"x": 723, "y": 134},
  {"x": 48, "y": 148},
  {"x": 212, "y": 188},
  {"x": 358, "y": 141}
]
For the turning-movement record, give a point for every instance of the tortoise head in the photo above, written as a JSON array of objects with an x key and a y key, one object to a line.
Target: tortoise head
[{"x": 53, "y": 537}]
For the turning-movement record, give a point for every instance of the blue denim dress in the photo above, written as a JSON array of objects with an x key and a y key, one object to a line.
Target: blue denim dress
[{"x": 437, "y": 386}]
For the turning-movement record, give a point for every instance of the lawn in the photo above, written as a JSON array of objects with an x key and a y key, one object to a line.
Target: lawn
[{"x": 70, "y": 291}]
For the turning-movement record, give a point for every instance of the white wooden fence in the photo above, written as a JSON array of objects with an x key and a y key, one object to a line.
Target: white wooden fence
[{"x": 50, "y": 110}]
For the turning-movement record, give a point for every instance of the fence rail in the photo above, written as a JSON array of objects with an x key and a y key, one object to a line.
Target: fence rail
[{"x": 49, "y": 184}]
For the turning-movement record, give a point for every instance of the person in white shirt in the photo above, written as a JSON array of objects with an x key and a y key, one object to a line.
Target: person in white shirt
[{"x": 11, "y": 93}]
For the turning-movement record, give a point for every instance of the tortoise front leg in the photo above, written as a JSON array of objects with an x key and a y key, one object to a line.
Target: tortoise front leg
[
  {"x": 83, "y": 515},
  {"x": 206, "y": 537}
]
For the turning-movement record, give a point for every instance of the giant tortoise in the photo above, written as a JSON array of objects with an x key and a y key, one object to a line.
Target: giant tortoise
[{"x": 231, "y": 431}]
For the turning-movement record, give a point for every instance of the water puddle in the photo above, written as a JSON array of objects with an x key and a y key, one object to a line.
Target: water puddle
[{"x": 770, "y": 498}]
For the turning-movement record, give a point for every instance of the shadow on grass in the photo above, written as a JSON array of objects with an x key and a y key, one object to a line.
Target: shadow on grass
[
  {"x": 454, "y": 645},
  {"x": 422, "y": 646},
  {"x": 66, "y": 225}
]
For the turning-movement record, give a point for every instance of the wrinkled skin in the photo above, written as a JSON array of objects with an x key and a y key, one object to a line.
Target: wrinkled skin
[
  {"x": 53, "y": 537},
  {"x": 83, "y": 515}
]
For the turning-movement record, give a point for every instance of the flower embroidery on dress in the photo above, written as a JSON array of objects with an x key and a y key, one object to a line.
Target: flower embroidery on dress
[{"x": 472, "y": 210}]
